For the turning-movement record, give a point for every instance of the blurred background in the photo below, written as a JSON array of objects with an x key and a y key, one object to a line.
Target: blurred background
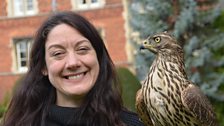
[{"x": 123, "y": 24}]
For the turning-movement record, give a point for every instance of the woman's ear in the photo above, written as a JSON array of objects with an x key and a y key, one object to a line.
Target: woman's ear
[{"x": 44, "y": 71}]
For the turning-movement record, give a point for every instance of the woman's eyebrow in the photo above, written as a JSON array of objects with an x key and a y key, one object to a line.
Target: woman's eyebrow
[
  {"x": 82, "y": 41},
  {"x": 60, "y": 46},
  {"x": 55, "y": 46}
]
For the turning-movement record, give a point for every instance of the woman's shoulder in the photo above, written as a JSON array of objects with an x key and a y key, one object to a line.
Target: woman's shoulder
[{"x": 130, "y": 118}]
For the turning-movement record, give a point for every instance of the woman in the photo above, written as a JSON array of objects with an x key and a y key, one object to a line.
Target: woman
[{"x": 71, "y": 80}]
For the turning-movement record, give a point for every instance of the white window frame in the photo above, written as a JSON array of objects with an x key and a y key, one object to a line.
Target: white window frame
[
  {"x": 102, "y": 34},
  {"x": 18, "y": 8},
  {"x": 21, "y": 68},
  {"x": 78, "y": 5}
]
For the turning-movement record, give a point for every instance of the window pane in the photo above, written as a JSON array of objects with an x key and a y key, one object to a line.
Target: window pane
[
  {"x": 23, "y": 55},
  {"x": 83, "y": 1},
  {"x": 23, "y": 63},
  {"x": 30, "y": 5},
  {"x": 18, "y": 7},
  {"x": 23, "y": 7},
  {"x": 94, "y": 1},
  {"x": 23, "y": 46},
  {"x": 82, "y": 4}
]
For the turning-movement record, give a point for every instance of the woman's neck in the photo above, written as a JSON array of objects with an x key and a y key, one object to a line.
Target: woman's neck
[{"x": 68, "y": 101}]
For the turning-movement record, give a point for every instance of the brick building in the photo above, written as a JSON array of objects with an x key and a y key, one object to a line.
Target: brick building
[{"x": 19, "y": 20}]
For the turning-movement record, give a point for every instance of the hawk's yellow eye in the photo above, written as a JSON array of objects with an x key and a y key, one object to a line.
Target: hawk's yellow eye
[
  {"x": 157, "y": 39},
  {"x": 145, "y": 42}
]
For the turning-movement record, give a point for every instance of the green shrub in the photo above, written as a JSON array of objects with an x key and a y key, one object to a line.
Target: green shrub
[
  {"x": 219, "y": 109},
  {"x": 130, "y": 85},
  {"x": 219, "y": 22},
  {"x": 6, "y": 100},
  {"x": 4, "y": 104}
]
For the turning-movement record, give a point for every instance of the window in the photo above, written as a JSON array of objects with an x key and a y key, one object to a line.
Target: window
[
  {"x": 22, "y": 50},
  {"x": 87, "y": 4},
  {"x": 101, "y": 32},
  {"x": 22, "y": 7}
]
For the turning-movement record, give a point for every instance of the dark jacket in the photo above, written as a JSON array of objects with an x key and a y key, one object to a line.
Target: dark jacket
[{"x": 63, "y": 116}]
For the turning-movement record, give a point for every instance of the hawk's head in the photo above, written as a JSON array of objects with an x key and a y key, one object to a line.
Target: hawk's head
[{"x": 161, "y": 43}]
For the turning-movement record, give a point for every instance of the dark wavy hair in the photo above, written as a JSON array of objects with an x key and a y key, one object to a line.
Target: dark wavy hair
[{"x": 30, "y": 103}]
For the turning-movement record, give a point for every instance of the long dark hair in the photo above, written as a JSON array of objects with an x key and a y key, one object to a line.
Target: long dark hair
[{"x": 30, "y": 103}]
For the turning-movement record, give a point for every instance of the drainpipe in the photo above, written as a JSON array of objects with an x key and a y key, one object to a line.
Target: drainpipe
[{"x": 54, "y": 5}]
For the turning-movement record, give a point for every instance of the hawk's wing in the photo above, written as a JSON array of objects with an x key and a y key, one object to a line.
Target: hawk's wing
[
  {"x": 142, "y": 109},
  {"x": 194, "y": 99}
]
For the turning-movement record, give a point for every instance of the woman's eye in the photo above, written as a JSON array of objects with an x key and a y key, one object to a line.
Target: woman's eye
[
  {"x": 83, "y": 50},
  {"x": 57, "y": 53}
]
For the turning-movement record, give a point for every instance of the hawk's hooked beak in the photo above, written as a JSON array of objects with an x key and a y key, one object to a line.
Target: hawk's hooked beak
[
  {"x": 146, "y": 45},
  {"x": 142, "y": 47}
]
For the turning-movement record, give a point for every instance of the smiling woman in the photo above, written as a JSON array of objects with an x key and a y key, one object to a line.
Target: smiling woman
[
  {"x": 71, "y": 64},
  {"x": 71, "y": 79}
]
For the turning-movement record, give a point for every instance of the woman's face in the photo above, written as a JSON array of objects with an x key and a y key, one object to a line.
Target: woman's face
[{"x": 71, "y": 64}]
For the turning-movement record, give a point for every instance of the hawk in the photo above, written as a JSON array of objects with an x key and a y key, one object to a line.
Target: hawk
[{"x": 167, "y": 97}]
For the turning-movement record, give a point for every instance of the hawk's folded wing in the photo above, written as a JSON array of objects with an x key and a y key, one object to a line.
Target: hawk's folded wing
[{"x": 194, "y": 99}]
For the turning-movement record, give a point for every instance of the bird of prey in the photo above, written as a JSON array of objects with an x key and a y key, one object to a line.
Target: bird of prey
[{"x": 167, "y": 97}]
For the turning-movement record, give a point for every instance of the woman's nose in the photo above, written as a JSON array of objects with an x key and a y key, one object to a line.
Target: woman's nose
[{"x": 72, "y": 61}]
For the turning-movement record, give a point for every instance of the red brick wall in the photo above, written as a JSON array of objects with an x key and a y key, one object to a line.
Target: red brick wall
[
  {"x": 109, "y": 18},
  {"x": 9, "y": 29},
  {"x": 3, "y": 9}
]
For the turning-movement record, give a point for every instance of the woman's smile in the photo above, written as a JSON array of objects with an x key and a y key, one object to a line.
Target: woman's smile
[{"x": 75, "y": 76}]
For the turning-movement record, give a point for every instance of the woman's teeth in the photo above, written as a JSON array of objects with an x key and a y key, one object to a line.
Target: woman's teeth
[{"x": 75, "y": 76}]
